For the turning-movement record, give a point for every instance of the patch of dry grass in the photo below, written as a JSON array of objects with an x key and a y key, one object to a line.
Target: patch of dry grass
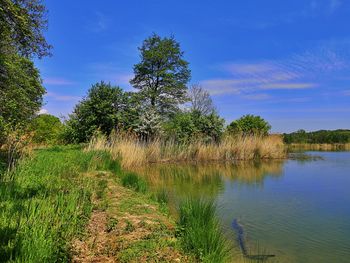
[{"x": 133, "y": 152}]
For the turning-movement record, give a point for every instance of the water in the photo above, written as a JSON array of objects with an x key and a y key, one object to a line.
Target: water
[{"x": 297, "y": 210}]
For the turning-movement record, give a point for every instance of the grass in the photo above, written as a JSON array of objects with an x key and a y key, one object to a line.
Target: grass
[
  {"x": 134, "y": 153},
  {"x": 59, "y": 194},
  {"x": 134, "y": 181},
  {"x": 200, "y": 231},
  {"x": 45, "y": 202}
]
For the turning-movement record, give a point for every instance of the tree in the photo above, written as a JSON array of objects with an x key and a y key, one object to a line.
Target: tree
[
  {"x": 102, "y": 109},
  {"x": 22, "y": 23},
  {"x": 162, "y": 74},
  {"x": 210, "y": 126},
  {"x": 46, "y": 128},
  {"x": 249, "y": 125},
  {"x": 201, "y": 100},
  {"x": 21, "y": 90},
  {"x": 189, "y": 126}
]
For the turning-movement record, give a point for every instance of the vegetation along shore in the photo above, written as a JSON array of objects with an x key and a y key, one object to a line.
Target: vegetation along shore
[{"x": 69, "y": 187}]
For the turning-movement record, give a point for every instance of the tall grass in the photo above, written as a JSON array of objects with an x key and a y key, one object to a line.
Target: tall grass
[
  {"x": 133, "y": 152},
  {"x": 200, "y": 231},
  {"x": 45, "y": 201},
  {"x": 134, "y": 181}
]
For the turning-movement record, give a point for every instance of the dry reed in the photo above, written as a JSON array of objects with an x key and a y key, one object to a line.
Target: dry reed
[{"x": 133, "y": 152}]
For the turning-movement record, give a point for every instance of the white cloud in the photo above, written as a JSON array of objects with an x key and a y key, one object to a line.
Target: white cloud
[
  {"x": 58, "y": 81},
  {"x": 43, "y": 111},
  {"x": 288, "y": 86},
  {"x": 299, "y": 71},
  {"x": 60, "y": 97},
  {"x": 258, "y": 96}
]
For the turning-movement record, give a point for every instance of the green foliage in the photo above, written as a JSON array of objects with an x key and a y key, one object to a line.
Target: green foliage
[
  {"x": 46, "y": 129},
  {"x": 249, "y": 125},
  {"x": 21, "y": 90},
  {"x": 105, "y": 108},
  {"x": 21, "y": 28},
  {"x": 322, "y": 136},
  {"x": 186, "y": 126},
  {"x": 162, "y": 74},
  {"x": 21, "y": 37},
  {"x": 200, "y": 231},
  {"x": 45, "y": 202}
]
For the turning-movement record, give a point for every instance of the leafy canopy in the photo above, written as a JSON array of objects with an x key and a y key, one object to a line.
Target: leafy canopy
[
  {"x": 46, "y": 128},
  {"x": 250, "y": 125},
  {"x": 162, "y": 74},
  {"x": 187, "y": 126},
  {"x": 22, "y": 23},
  {"x": 106, "y": 107},
  {"x": 21, "y": 90}
]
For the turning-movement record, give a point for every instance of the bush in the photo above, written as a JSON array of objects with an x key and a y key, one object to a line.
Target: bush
[
  {"x": 46, "y": 129},
  {"x": 249, "y": 125},
  {"x": 187, "y": 126}
]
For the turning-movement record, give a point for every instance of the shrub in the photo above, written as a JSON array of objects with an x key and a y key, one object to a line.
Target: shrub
[
  {"x": 186, "y": 126},
  {"x": 249, "y": 125},
  {"x": 46, "y": 129}
]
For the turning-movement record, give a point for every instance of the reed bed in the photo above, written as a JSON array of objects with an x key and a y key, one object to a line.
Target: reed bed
[
  {"x": 320, "y": 146},
  {"x": 133, "y": 152}
]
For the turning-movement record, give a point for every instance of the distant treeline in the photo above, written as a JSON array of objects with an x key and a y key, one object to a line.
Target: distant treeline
[{"x": 322, "y": 136}]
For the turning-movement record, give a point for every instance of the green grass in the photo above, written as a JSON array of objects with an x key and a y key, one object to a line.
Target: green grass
[
  {"x": 134, "y": 182},
  {"x": 45, "y": 202},
  {"x": 3, "y": 164},
  {"x": 200, "y": 231}
]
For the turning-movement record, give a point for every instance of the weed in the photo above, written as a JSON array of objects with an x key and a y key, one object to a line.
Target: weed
[
  {"x": 112, "y": 224},
  {"x": 129, "y": 227}
]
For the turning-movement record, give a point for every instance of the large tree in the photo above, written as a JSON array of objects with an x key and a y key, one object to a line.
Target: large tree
[
  {"x": 22, "y": 23},
  {"x": 21, "y": 90},
  {"x": 162, "y": 74}
]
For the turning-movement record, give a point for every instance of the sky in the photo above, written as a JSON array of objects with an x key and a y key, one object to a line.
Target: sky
[{"x": 287, "y": 61}]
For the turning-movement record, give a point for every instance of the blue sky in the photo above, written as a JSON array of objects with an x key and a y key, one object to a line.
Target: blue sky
[{"x": 288, "y": 61}]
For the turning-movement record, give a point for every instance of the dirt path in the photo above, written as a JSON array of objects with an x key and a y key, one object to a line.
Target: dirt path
[{"x": 126, "y": 226}]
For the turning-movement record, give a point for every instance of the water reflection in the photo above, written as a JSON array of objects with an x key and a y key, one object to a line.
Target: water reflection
[
  {"x": 297, "y": 209},
  {"x": 207, "y": 179}
]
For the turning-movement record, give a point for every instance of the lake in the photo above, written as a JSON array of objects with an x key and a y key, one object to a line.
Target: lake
[{"x": 297, "y": 210}]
